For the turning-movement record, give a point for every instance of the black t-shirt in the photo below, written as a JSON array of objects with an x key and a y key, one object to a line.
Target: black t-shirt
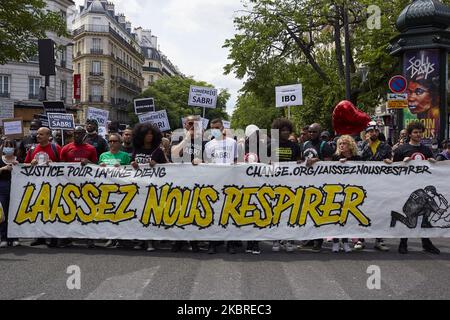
[
  {"x": 317, "y": 149},
  {"x": 98, "y": 143},
  {"x": 196, "y": 150},
  {"x": 143, "y": 156},
  {"x": 286, "y": 151},
  {"x": 24, "y": 146},
  {"x": 420, "y": 152},
  {"x": 129, "y": 150}
]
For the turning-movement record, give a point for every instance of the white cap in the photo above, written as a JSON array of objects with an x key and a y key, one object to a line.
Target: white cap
[{"x": 250, "y": 130}]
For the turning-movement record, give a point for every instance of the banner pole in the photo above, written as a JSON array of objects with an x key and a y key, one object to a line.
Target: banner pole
[
  {"x": 204, "y": 112},
  {"x": 62, "y": 138}
]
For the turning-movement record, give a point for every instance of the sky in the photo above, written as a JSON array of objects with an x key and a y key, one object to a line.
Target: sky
[{"x": 191, "y": 34}]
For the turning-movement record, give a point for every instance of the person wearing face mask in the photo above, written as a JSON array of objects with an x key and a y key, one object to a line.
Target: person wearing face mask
[
  {"x": 29, "y": 141},
  {"x": 7, "y": 161},
  {"x": 94, "y": 139}
]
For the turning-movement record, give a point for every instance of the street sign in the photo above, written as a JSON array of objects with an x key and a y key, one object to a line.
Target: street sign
[
  {"x": 61, "y": 121},
  {"x": 398, "y": 84},
  {"x": 291, "y": 95},
  {"x": 397, "y": 100},
  {"x": 144, "y": 105}
]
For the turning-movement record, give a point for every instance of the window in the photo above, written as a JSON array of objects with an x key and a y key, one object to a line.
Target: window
[
  {"x": 79, "y": 68},
  {"x": 63, "y": 57},
  {"x": 4, "y": 86},
  {"x": 96, "y": 67},
  {"x": 96, "y": 44},
  {"x": 96, "y": 90},
  {"x": 33, "y": 87},
  {"x": 63, "y": 90}
]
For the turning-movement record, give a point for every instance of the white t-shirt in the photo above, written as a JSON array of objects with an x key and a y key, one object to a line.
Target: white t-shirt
[{"x": 221, "y": 151}]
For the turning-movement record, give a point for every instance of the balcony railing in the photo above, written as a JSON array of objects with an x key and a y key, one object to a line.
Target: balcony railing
[
  {"x": 129, "y": 85},
  {"x": 33, "y": 96},
  {"x": 96, "y": 74},
  {"x": 96, "y": 51},
  {"x": 4, "y": 94},
  {"x": 95, "y": 98}
]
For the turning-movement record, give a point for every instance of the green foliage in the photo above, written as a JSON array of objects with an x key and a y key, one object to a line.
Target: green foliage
[
  {"x": 281, "y": 42},
  {"x": 21, "y": 23},
  {"x": 172, "y": 94}
]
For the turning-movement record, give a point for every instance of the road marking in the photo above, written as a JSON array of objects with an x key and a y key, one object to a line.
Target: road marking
[
  {"x": 313, "y": 281},
  {"x": 130, "y": 286},
  {"x": 217, "y": 280},
  {"x": 36, "y": 297}
]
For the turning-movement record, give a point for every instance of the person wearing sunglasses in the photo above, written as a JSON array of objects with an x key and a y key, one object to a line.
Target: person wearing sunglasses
[{"x": 114, "y": 157}]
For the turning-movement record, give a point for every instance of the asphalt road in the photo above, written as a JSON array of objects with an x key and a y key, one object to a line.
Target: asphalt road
[{"x": 41, "y": 273}]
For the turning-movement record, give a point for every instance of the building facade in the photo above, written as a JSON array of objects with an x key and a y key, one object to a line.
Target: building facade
[
  {"x": 20, "y": 81},
  {"x": 108, "y": 58},
  {"x": 156, "y": 64}
]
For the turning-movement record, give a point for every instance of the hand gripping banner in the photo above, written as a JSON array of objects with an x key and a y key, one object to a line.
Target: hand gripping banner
[{"x": 231, "y": 202}]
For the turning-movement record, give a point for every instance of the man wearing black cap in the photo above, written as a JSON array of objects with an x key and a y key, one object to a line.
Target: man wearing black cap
[
  {"x": 373, "y": 149},
  {"x": 94, "y": 139}
]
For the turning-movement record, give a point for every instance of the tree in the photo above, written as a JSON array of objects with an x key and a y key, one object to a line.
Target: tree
[
  {"x": 21, "y": 23},
  {"x": 282, "y": 42},
  {"x": 172, "y": 93}
]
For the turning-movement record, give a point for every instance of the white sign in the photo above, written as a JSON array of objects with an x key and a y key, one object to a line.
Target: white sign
[
  {"x": 144, "y": 105},
  {"x": 397, "y": 96},
  {"x": 102, "y": 132},
  {"x": 100, "y": 115},
  {"x": 202, "y": 97},
  {"x": 6, "y": 112},
  {"x": 284, "y": 201},
  {"x": 12, "y": 128},
  {"x": 61, "y": 121},
  {"x": 158, "y": 119},
  {"x": 291, "y": 95}
]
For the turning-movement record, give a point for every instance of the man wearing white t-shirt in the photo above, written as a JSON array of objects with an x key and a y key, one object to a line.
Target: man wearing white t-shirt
[{"x": 220, "y": 150}]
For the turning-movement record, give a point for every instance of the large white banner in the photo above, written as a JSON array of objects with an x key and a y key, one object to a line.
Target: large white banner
[{"x": 231, "y": 202}]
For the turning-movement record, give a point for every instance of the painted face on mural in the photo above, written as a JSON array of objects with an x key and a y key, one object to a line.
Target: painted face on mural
[{"x": 419, "y": 98}]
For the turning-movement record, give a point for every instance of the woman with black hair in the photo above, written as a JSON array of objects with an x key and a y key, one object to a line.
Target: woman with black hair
[
  {"x": 147, "y": 150},
  {"x": 147, "y": 140}
]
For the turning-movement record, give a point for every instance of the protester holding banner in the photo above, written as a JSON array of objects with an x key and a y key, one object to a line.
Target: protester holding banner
[
  {"x": 29, "y": 140},
  {"x": 346, "y": 151},
  {"x": 127, "y": 144},
  {"x": 373, "y": 149},
  {"x": 42, "y": 154},
  {"x": 114, "y": 157},
  {"x": 7, "y": 161},
  {"x": 285, "y": 151},
  {"x": 78, "y": 150},
  {"x": 147, "y": 140},
  {"x": 94, "y": 139},
  {"x": 414, "y": 150}
]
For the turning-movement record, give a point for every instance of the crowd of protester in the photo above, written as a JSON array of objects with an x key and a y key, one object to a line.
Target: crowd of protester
[{"x": 147, "y": 145}]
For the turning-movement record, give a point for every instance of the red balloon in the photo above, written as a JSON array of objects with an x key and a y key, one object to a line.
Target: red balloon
[{"x": 347, "y": 119}]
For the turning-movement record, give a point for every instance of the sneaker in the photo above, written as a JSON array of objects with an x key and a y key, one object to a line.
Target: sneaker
[
  {"x": 64, "y": 243},
  {"x": 38, "y": 242},
  {"x": 379, "y": 245},
  {"x": 90, "y": 244},
  {"x": 53, "y": 243},
  {"x": 4, "y": 244},
  {"x": 249, "y": 247},
  {"x": 255, "y": 249},
  {"x": 347, "y": 248},
  {"x": 110, "y": 243},
  {"x": 150, "y": 246},
  {"x": 317, "y": 247},
  {"x": 290, "y": 246},
  {"x": 276, "y": 246},
  {"x": 139, "y": 245},
  {"x": 403, "y": 248},
  {"x": 336, "y": 247},
  {"x": 359, "y": 246},
  {"x": 212, "y": 248},
  {"x": 15, "y": 243},
  {"x": 429, "y": 247},
  {"x": 194, "y": 246},
  {"x": 306, "y": 244}
]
